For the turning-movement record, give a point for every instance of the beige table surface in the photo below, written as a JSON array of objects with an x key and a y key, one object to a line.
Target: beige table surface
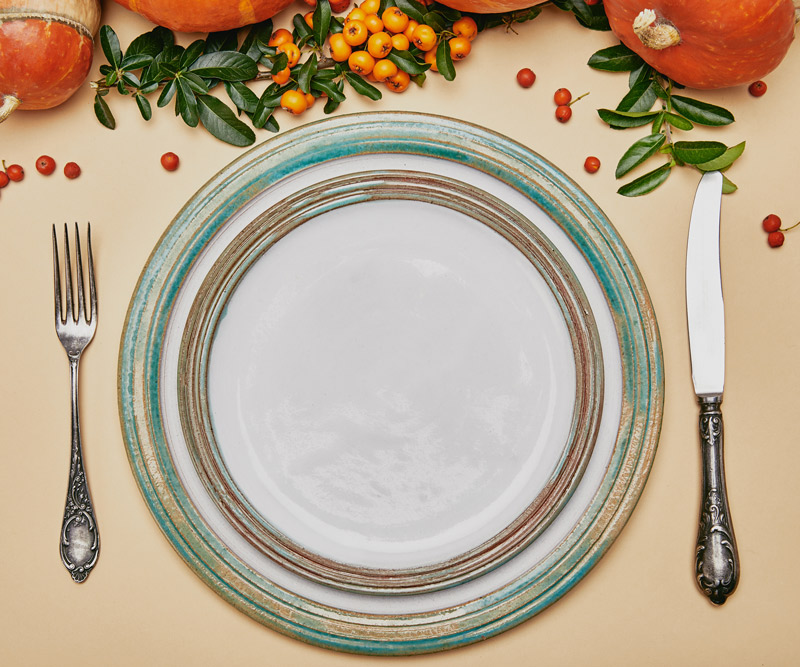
[{"x": 639, "y": 606}]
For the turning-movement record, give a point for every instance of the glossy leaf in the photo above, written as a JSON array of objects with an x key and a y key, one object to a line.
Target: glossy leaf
[
  {"x": 258, "y": 34},
  {"x": 621, "y": 119},
  {"x": 224, "y": 40},
  {"x": 615, "y": 59},
  {"x": 639, "y": 98},
  {"x": 406, "y": 62},
  {"x": 144, "y": 106},
  {"x": 701, "y": 113},
  {"x": 332, "y": 90},
  {"x": 362, "y": 87},
  {"x": 444, "y": 61},
  {"x": 435, "y": 20},
  {"x": 333, "y": 102},
  {"x": 225, "y": 65},
  {"x": 192, "y": 53},
  {"x": 412, "y": 8},
  {"x": 647, "y": 183},
  {"x": 221, "y": 122},
  {"x": 167, "y": 93},
  {"x": 135, "y": 61},
  {"x": 728, "y": 186},
  {"x": 308, "y": 70},
  {"x": 302, "y": 33},
  {"x": 723, "y": 161},
  {"x": 187, "y": 103},
  {"x": 279, "y": 63},
  {"x": 321, "y": 21},
  {"x": 642, "y": 73},
  {"x": 131, "y": 79},
  {"x": 103, "y": 112},
  {"x": 639, "y": 152},
  {"x": 195, "y": 82},
  {"x": 698, "y": 152},
  {"x": 110, "y": 45},
  {"x": 677, "y": 121},
  {"x": 147, "y": 44}
]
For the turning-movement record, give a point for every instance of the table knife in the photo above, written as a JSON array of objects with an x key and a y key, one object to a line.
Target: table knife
[{"x": 717, "y": 558}]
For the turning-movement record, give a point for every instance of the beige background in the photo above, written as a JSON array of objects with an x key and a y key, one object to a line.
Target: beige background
[{"x": 640, "y": 605}]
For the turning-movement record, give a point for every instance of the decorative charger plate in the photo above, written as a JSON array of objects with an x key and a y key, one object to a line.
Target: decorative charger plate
[{"x": 390, "y": 383}]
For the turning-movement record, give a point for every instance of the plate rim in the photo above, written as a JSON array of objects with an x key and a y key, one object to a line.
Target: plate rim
[{"x": 622, "y": 483}]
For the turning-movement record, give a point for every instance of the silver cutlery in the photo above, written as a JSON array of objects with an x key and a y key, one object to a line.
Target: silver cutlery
[
  {"x": 717, "y": 558},
  {"x": 80, "y": 541}
]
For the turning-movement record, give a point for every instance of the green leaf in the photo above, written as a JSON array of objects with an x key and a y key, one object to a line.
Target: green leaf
[
  {"x": 167, "y": 93},
  {"x": 698, "y": 152},
  {"x": 647, "y": 183},
  {"x": 279, "y": 63},
  {"x": 220, "y": 121},
  {"x": 639, "y": 152},
  {"x": 642, "y": 73},
  {"x": 223, "y": 40},
  {"x": 308, "y": 69},
  {"x": 723, "y": 161},
  {"x": 147, "y": 44},
  {"x": 168, "y": 69},
  {"x": 272, "y": 124},
  {"x": 406, "y": 62},
  {"x": 187, "y": 103},
  {"x": 257, "y": 35},
  {"x": 321, "y": 21},
  {"x": 444, "y": 61},
  {"x": 144, "y": 106},
  {"x": 332, "y": 90},
  {"x": 701, "y": 113},
  {"x": 593, "y": 17},
  {"x": 148, "y": 88},
  {"x": 728, "y": 186},
  {"x": 135, "y": 61},
  {"x": 271, "y": 97},
  {"x": 103, "y": 112},
  {"x": 362, "y": 87},
  {"x": 414, "y": 9},
  {"x": 435, "y": 20},
  {"x": 244, "y": 98},
  {"x": 620, "y": 119},
  {"x": 615, "y": 59},
  {"x": 192, "y": 53},
  {"x": 225, "y": 65},
  {"x": 131, "y": 79},
  {"x": 195, "y": 82},
  {"x": 111, "y": 78},
  {"x": 164, "y": 35},
  {"x": 639, "y": 98},
  {"x": 302, "y": 33},
  {"x": 332, "y": 104},
  {"x": 110, "y": 44},
  {"x": 677, "y": 121}
]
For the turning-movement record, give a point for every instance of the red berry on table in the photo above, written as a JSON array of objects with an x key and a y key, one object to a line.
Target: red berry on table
[
  {"x": 170, "y": 161},
  {"x": 562, "y": 97},
  {"x": 775, "y": 239},
  {"x": 772, "y": 223},
  {"x": 72, "y": 170},
  {"x": 563, "y": 113},
  {"x": 45, "y": 165},
  {"x": 592, "y": 164},
  {"x": 757, "y": 88},
  {"x": 526, "y": 77},
  {"x": 15, "y": 172},
  {"x": 3, "y": 179}
]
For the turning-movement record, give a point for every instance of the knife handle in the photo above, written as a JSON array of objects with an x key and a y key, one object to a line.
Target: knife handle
[{"x": 717, "y": 561}]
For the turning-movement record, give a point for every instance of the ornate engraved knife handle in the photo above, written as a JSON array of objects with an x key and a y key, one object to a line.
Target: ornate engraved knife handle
[
  {"x": 80, "y": 541},
  {"x": 717, "y": 564}
]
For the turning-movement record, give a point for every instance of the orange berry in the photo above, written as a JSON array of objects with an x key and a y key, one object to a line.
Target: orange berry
[
  {"x": 410, "y": 28},
  {"x": 384, "y": 69},
  {"x": 355, "y": 32},
  {"x": 370, "y": 6},
  {"x": 292, "y": 51},
  {"x": 310, "y": 99},
  {"x": 373, "y": 23},
  {"x": 361, "y": 62},
  {"x": 379, "y": 44},
  {"x": 283, "y": 76},
  {"x": 400, "y": 42},
  {"x": 459, "y": 48},
  {"x": 309, "y": 19},
  {"x": 430, "y": 58},
  {"x": 356, "y": 14},
  {"x": 294, "y": 102},
  {"x": 424, "y": 37},
  {"x": 280, "y": 36},
  {"x": 399, "y": 82},
  {"x": 395, "y": 19},
  {"x": 340, "y": 49},
  {"x": 466, "y": 27}
]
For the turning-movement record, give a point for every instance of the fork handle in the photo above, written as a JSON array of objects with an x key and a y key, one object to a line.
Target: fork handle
[{"x": 80, "y": 541}]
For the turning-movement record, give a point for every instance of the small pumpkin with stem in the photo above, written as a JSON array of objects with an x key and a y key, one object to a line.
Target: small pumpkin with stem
[
  {"x": 45, "y": 51},
  {"x": 706, "y": 44}
]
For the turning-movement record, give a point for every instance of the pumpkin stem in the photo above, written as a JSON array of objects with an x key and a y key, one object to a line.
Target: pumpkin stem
[
  {"x": 9, "y": 104},
  {"x": 655, "y": 33}
]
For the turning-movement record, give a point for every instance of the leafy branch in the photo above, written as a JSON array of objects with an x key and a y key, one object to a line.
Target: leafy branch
[{"x": 651, "y": 101}]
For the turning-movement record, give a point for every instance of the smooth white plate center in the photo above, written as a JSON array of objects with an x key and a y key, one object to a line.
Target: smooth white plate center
[{"x": 391, "y": 384}]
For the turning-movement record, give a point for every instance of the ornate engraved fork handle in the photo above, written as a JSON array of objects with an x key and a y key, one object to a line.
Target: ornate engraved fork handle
[
  {"x": 80, "y": 541},
  {"x": 717, "y": 564}
]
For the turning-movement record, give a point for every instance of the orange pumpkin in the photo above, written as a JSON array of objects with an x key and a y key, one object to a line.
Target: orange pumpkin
[
  {"x": 45, "y": 51},
  {"x": 205, "y": 15},
  {"x": 491, "y": 6},
  {"x": 706, "y": 43}
]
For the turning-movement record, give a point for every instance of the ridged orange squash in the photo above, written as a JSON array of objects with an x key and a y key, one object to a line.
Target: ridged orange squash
[
  {"x": 491, "y": 6},
  {"x": 706, "y": 43},
  {"x": 45, "y": 51},
  {"x": 205, "y": 15}
]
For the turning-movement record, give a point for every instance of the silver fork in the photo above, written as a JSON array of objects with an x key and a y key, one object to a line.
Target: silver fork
[{"x": 80, "y": 541}]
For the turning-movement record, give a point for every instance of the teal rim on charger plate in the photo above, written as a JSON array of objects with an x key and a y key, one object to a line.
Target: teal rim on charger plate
[{"x": 444, "y": 139}]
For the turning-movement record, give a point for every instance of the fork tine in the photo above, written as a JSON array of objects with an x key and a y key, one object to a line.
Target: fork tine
[
  {"x": 57, "y": 278},
  {"x": 92, "y": 289},
  {"x": 79, "y": 275},
  {"x": 67, "y": 278}
]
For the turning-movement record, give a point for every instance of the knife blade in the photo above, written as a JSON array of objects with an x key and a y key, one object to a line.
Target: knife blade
[{"x": 717, "y": 558}]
